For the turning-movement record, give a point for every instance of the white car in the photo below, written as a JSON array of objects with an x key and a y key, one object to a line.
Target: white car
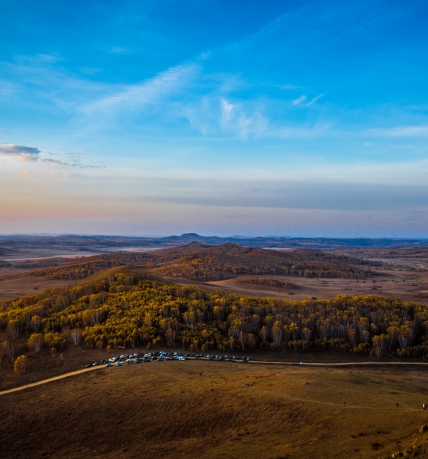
[{"x": 302, "y": 363}]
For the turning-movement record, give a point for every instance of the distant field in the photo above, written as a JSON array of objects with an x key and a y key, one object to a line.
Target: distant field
[
  {"x": 201, "y": 409},
  {"x": 399, "y": 272},
  {"x": 15, "y": 283}
]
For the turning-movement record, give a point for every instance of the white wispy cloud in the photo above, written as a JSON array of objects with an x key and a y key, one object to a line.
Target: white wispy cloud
[
  {"x": 314, "y": 100},
  {"x": 7, "y": 88},
  {"x": 76, "y": 165},
  {"x": 291, "y": 87},
  {"x": 302, "y": 131},
  {"x": 400, "y": 131},
  {"x": 119, "y": 50},
  {"x": 299, "y": 100},
  {"x": 302, "y": 100},
  {"x": 236, "y": 118},
  {"x": 149, "y": 91}
]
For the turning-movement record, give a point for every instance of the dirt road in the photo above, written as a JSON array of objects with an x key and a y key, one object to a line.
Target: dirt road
[
  {"x": 253, "y": 362},
  {"x": 55, "y": 378}
]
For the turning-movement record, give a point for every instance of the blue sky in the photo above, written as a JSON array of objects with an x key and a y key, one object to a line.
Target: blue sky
[{"x": 245, "y": 117}]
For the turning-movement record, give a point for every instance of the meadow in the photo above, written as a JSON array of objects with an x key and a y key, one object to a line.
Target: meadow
[{"x": 203, "y": 409}]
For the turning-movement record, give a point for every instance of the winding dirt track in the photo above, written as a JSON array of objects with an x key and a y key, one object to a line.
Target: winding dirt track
[
  {"x": 258, "y": 362},
  {"x": 55, "y": 378}
]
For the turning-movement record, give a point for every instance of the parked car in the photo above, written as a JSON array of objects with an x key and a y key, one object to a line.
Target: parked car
[
  {"x": 302, "y": 363},
  {"x": 88, "y": 365},
  {"x": 95, "y": 364},
  {"x": 119, "y": 364},
  {"x": 109, "y": 364}
]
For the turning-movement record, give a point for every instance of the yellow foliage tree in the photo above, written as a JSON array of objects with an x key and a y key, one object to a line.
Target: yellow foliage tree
[{"x": 20, "y": 364}]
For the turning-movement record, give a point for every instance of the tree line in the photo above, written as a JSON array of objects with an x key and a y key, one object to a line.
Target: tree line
[
  {"x": 268, "y": 281},
  {"x": 128, "y": 308}
]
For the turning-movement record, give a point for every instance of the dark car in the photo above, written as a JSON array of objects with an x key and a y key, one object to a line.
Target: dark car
[{"x": 88, "y": 365}]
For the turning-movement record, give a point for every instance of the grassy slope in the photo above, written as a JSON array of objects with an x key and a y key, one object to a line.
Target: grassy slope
[{"x": 169, "y": 410}]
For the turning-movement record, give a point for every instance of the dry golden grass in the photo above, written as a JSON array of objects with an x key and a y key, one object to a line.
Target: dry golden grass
[
  {"x": 201, "y": 410},
  {"x": 15, "y": 283}
]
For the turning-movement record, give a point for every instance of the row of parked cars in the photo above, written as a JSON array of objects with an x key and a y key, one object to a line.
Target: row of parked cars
[{"x": 161, "y": 356}]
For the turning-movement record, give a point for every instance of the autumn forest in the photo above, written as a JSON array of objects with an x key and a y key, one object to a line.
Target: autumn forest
[{"x": 122, "y": 300}]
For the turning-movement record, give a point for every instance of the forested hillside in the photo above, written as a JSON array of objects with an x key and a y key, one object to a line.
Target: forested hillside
[
  {"x": 76, "y": 271},
  {"x": 229, "y": 261},
  {"x": 212, "y": 263},
  {"x": 125, "y": 306}
]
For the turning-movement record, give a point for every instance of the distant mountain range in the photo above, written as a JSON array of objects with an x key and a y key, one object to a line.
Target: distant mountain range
[{"x": 101, "y": 243}]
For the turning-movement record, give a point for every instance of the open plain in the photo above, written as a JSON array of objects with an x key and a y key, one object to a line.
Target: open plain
[
  {"x": 212, "y": 409},
  {"x": 400, "y": 272}
]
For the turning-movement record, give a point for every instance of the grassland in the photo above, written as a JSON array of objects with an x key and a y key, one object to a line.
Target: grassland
[
  {"x": 400, "y": 272},
  {"x": 201, "y": 410}
]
